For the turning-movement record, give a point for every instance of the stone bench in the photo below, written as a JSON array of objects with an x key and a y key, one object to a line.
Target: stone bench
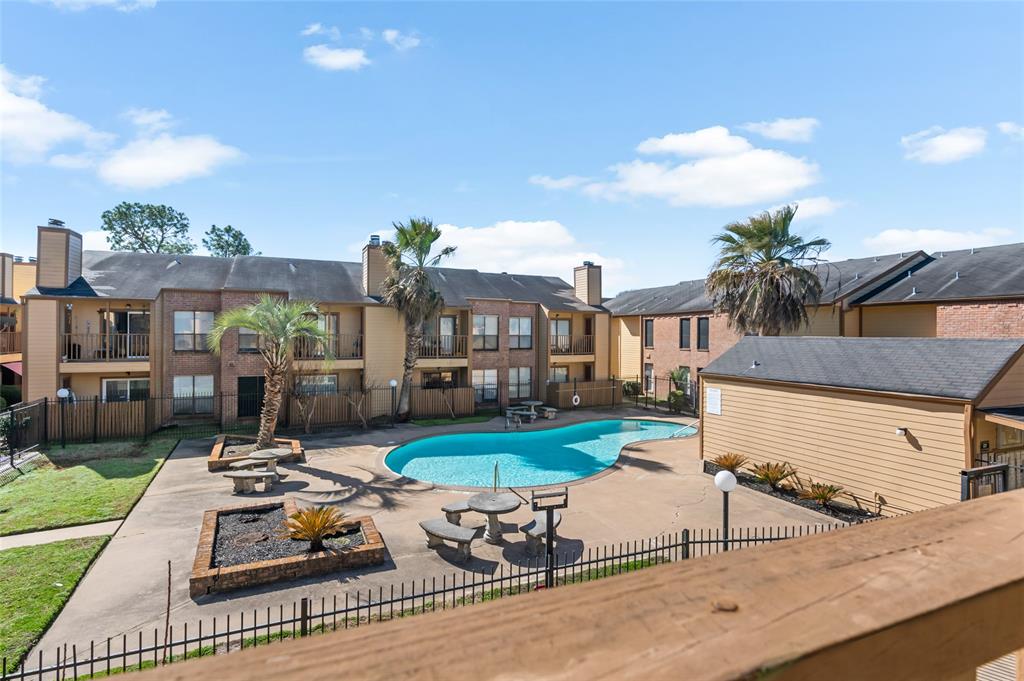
[
  {"x": 547, "y": 412},
  {"x": 522, "y": 412},
  {"x": 453, "y": 511},
  {"x": 245, "y": 481},
  {"x": 440, "y": 530},
  {"x": 536, "y": 529},
  {"x": 246, "y": 464}
]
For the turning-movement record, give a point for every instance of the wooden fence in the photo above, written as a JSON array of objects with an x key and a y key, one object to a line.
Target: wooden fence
[
  {"x": 442, "y": 402},
  {"x": 591, "y": 394}
]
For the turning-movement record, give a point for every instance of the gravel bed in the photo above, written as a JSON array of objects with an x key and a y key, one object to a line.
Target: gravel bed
[{"x": 248, "y": 536}]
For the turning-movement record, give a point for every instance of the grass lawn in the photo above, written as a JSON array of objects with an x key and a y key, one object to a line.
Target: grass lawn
[
  {"x": 476, "y": 418},
  {"x": 35, "y": 582},
  {"x": 81, "y": 484}
]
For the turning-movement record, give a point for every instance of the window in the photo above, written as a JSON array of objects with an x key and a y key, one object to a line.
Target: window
[
  {"x": 250, "y": 395},
  {"x": 438, "y": 379},
  {"x": 559, "y": 375},
  {"x": 125, "y": 389},
  {"x": 648, "y": 333},
  {"x": 520, "y": 383},
  {"x": 684, "y": 333},
  {"x": 485, "y": 381},
  {"x": 703, "y": 331},
  {"x": 191, "y": 330},
  {"x": 684, "y": 380},
  {"x": 648, "y": 378},
  {"x": 485, "y": 332},
  {"x": 561, "y": 338},
  {"x": 520, "y": 333},
  {"x": 317, "y": 384},
  {"x": 193, "y": 394},
  {"x": 248, "y": 340}
]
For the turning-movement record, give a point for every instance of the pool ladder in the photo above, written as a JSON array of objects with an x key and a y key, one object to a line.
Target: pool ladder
[{"x": 684, "y": 429}]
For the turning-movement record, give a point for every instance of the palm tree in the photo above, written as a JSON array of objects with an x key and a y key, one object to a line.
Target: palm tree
[
  {"x": 279, "y": 324},
  {"x": 764, "y": 276},
  {"x": 408, "y": 288}
]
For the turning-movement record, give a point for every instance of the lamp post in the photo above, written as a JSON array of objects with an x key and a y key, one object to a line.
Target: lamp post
[
  {"x": 725, "y": 481},
  {"x": 62, "y": 393},
  {"x": 394, "y": 404}
]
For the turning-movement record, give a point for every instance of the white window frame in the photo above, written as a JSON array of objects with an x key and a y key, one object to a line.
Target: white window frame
[
  {"x": 555, "y": 371},
  {"x": 195, "y": 334},
  {"x": 516, "y": 383},
  {"x": 180, "y": 397},
  {"x": 316, "y": 384},
  {"x": 486, "y": 334},
  {"x": 516, "y": 336},
  {"x": 103, "y": 387},
  {"x": 485, "y": 384}
]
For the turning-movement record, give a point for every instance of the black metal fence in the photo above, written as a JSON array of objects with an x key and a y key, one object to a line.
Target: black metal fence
[{"x": 305, "y": 617}]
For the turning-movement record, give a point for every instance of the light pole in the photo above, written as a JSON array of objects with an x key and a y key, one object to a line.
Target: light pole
[
  {"x": 726, "y": 482},
  {"x": 62, "y": 393},
  {"x": 394, "y": 405}
]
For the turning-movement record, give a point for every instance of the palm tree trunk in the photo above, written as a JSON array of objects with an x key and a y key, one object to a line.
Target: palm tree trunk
[
  {"x": 271, "y": 406},
  {"x": 413, "y": 341}
]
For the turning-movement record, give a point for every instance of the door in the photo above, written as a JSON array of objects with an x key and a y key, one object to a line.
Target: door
[
  {"x": 446, "y": 336},
  {"x": 250, "y": 395},
  {"x": 560, "y": 331},
  {"x": 648, "y": 378},
  {"x": 588, "y": 373}
]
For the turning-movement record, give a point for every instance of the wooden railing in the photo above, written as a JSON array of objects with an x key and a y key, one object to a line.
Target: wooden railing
[
  {"x": 343, "y": 346},
  {"x": 10, "y": 341},
  {"x": 572, "y": 345},
  {"x": 114, "y": 347},
  {"x": 436, "y": 347}
]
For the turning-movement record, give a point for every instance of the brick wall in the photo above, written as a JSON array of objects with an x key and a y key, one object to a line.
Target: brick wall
[
  {"x": 186, "y": 363},
  {"x": 504, "y": 357},
  {"x": 666, "y": 354},
  {"x": 1002, "y": 319}
]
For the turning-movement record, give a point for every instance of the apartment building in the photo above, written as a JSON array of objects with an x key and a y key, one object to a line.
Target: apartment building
[
  {"x": 122, "y": 326},
  {"x": 17, "y": 276}
]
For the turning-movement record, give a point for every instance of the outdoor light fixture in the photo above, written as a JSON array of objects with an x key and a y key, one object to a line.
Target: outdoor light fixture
[
  {"x": 725, "y": 481},
  {"x": 393, "y": 383},
  {"x": 902, "y": 432}
]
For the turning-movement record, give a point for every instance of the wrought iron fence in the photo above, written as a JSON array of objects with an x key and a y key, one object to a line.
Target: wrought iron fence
[{"x": 305, "y": 617}]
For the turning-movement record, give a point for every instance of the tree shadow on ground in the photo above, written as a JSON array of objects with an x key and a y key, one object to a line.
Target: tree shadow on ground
[
  {"x": 387, "y": 492},
  {"x": 632, "y": 459}
]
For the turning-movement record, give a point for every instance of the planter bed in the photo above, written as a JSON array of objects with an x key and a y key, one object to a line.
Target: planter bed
[
  {"x": 240, "y": 547},
  {"x": 228, "y": 449},
  {"x": 842, "y": 512}
]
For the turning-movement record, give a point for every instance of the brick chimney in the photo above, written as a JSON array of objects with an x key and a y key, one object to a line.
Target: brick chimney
[
  {"x": 375, "y": 267},
  {"x": 59, "y": 252},
  {"x": 587, "y": 281}
]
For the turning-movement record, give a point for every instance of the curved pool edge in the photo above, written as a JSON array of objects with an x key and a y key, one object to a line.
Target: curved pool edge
[{"x": 382, "y": 453}]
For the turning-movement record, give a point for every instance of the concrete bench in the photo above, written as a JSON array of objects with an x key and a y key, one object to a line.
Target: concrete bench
[
  {"x": 547, "y": 412},
  {"x": 522, "y": 412},
  {"x": 246, "y": 464},
  {"x": 536, "y": 529},
  {"x": 245, "y": 481},
  {"x": 440, "y": 530},
  {"x": 453, "y": 511}
]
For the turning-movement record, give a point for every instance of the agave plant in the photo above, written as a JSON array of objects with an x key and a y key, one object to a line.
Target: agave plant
[
  {"x": 730, "y": 461},
  {"x": 314, "y": 525},
  {"x": 821, "y": 492},
  {"x": 773, "y": 474}
]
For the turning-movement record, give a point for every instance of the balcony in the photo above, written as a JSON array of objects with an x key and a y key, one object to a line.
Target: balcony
[
  {"x": 572, "y": 345},
  {"x": 343, "y": 346},
  {"x": 114, "y": 347},
  {"x": 10, "y": 341},
  {"x": 444, "y": 347}
]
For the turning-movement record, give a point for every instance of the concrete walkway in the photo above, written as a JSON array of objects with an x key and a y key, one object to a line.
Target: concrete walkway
[
  {"x": 658, "y": 489},
  {"x": 47, "y": 536}
]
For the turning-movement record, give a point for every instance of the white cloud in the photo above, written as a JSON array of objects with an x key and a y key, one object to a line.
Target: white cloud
[
  {"x": 786, "y": 129},
  {"x": 937, "y": 145},
  {"x": 146, "y": 163},
  {"x": 931, "y": 240},
  {"x": 95, "y": 240},
  {"x": 813, "y": 207},
  {"x": 336, "y": 58},
  {"x": 149, "y": 121},
  {"x": 119, "y": 5},
  {"x": 73, "y": 161},
  {"x": 1014, "y": 130},
  {"x": 567, "y": 182},
  {"x": 713, "y": 141},
  {"x": 400, "y": 41},
  {"x": 317, "y": 28},
  {"x": 29, "y": 129}
]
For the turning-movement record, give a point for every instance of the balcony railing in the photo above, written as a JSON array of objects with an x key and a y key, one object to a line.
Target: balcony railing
[
  {"x": 572, "y": 345},
  {"x": 438, "y": 347},
  {"x": 84, "y": 347},
  {"x": 10, "y": 341},
  {"x": 343, "y": 346}
]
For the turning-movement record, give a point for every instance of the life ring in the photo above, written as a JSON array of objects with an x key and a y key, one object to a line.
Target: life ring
[{"x": 575, "y": 400}]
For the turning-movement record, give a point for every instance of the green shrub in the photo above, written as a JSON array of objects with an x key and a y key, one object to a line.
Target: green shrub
[
  {"x": 677, "y": 401},
  {"x": 631, "y": 388},
  {"x": 11, "y": 394},
  {"x": 730, "y": 461},
  {"x": 820, "y": 492},
  {"x": 773, "y": 474}
]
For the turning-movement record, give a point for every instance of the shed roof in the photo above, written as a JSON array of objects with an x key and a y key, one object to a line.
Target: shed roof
[{"x": 957, "y": 368}]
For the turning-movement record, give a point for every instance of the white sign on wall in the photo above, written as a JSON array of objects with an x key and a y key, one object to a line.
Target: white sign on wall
[{"x": 713, "y": 403}]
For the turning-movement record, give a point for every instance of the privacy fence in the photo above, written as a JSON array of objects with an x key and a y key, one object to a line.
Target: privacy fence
[{"x": 306, "y": 617}]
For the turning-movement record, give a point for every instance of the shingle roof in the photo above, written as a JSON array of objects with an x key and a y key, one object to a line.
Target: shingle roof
[
  {"x": 458, "y": 286},
  {"x": 991, "y": 272},
  {"x": 958, "y": 368}
]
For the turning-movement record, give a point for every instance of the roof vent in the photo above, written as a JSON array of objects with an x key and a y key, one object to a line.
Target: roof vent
[
  {"x": 901, "y": 255},
  {"x": 956, "y": 275},
  {"x": 972, "y": 251},
  {"x": 941, "y": 254},
  {"x": 588, "y": 263},
  {"x": 173, "y": 263},
  {"x": 909, "y": 274},
  {"x": 293, "y": 268},
  {"x": 913, "y": 291},
  {"x": 375, "y": 239},
  {"x": 54, "y": 222},
  {"x": 32, "y": 258},
  {"x": 856, "y": 276},
  {"x": 755, "y": 364}
]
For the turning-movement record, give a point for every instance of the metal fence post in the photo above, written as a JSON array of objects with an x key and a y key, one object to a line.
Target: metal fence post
[
  {"x": 46, "y": 420},
  {"x": 304, "y": 617},
  {"x": 95, "y": 415},
  {"x": 148, "y": 418},
  {"x": 686, "y": 544},
  {"x": 549, "y": 576}
]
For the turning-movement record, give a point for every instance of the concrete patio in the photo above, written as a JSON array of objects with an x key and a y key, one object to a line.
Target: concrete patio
[{"x": 657, "y": 489}]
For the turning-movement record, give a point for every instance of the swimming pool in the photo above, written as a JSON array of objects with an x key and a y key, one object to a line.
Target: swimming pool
[{"x": 525, "y": 459}]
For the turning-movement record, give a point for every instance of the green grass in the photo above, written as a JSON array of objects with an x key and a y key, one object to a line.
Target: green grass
[
  {"x": 35, "y": 582},
  {"x": 479, "y": 417},
  {"x": 81, "y": 484}
]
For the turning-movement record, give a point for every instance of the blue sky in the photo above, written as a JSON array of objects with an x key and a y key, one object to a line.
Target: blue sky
[{"x": 540, "y": 134}]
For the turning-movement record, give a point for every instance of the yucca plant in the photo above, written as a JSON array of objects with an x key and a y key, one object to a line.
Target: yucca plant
[
  {"x": 821, "y": 492},
  {"x": 730, "y": 461},
  {"x": 773, "y": 474},
  {"x": 314, "y": 525}
]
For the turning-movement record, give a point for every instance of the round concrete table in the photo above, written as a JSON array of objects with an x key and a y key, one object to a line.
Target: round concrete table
[
  {"x": 492, "y": 505},
  {"x": 271, "y": 456},
  {"x": 532, "y": 404}
]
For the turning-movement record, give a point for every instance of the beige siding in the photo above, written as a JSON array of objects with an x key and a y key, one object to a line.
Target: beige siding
[
  {"x": 385, "y": 346},
  {"x": 41, "y": 349},
  {"x": 53, "y": 263},
  {"x": 845, "y": 439},
  {"x": 6, "y": 275},
  {"x": 74, "y": 256},
  {"x": 1009, "y": 391},
  {"x": 823, "y": 321},
  {"x": 581, "y": 282},
  {"x": 851, "y": 322},
  {"x": 24, "y": 278},
  {"x": 898, "y": 320},
  {"x": 627, "y": 330},
  {"x": 374, "y": 270},
  {"x": 602, "y": 362}
]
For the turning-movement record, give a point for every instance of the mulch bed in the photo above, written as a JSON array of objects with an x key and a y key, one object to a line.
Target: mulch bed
[
  {"x": 842, "y": 512},
  {"x": 252, "y": 535},
  {"x": 232, "y": 449}
]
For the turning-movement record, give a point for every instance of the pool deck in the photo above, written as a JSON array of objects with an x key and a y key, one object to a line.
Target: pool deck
[{"x": 656, "y": 488}]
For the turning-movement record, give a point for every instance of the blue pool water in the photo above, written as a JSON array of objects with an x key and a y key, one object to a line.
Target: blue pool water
[{"x": 525, "y": 459}]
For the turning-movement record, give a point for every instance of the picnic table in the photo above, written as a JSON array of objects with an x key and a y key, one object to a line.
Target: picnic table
[
  {"x": 532, "y": 404},
  {"x": 492, "y": 505},
  {"x": 271, "y": 457}
]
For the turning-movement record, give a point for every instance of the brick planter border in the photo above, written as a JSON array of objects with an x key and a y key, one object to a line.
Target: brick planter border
[
  {"x": 218, "y": 462},
  {"x": 207, "y": 579}
]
